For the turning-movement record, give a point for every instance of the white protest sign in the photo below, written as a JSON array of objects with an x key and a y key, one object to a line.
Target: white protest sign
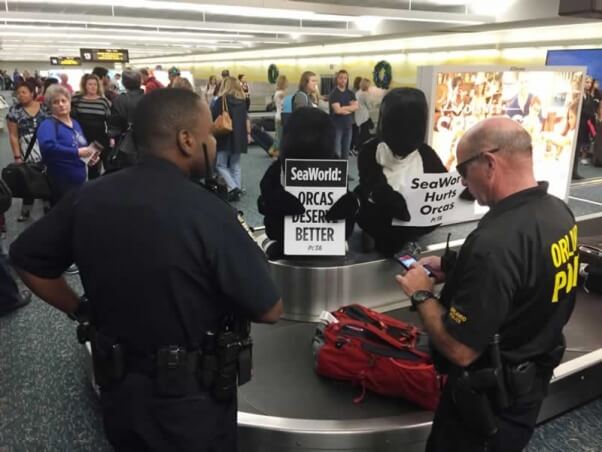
[
  {"x": 317, "y": 184},
  {"x": 434, "y": 198}
]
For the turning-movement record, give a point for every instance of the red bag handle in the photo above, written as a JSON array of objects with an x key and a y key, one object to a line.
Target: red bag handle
[{"x": 376, "y": 331}]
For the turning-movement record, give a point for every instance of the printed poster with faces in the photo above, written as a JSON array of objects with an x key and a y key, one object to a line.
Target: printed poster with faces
[
  {"x": 434, "y": 199},
  {"x": 318, "y": 184},
  {"x": 546, "y": 101}
]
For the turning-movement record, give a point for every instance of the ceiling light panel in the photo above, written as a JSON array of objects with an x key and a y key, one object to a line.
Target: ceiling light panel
[{"x": 243, "y": 11}]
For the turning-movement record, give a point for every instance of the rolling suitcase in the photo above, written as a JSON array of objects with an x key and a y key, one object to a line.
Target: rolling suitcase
[
  {"x": 261, "y": 138},
  {"x": 590, "y": 252}
]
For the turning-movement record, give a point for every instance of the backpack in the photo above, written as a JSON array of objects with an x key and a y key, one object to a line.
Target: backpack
[
  {"x": 288, "y": 105},
  {"x": 379, "y": 353},
  {"x": 124, "y": 154}
]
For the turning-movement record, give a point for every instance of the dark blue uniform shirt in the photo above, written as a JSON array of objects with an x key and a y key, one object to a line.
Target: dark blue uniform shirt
[{"x": 154, "y": 250}]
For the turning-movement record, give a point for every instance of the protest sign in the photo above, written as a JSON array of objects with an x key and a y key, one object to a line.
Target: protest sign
[
  {"x": 318, "y": 184},
  {"x": 434, "y": 198}
]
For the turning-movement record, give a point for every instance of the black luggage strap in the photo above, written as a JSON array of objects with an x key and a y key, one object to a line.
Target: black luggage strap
[{"x": 32, "y": 141}]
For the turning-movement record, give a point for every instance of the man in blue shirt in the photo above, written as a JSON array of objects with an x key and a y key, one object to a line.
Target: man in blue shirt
[{"x": 342, "y": 106}]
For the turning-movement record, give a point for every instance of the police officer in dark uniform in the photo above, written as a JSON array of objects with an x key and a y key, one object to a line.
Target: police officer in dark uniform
[
  {"x": 170, "y": 275},
  {"x": 497, "y": 328}
]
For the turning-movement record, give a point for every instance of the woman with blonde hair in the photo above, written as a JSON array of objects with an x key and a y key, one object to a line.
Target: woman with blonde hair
[
  {"x": 92, "y": 110},
  {"x": 281, "y": 87},
  {"x": 362, "y": 114},
  {"x": 230, "y": 146}
]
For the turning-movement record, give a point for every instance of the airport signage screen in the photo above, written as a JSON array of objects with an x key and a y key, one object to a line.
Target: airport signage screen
[
  {"x": 592, "y": 58},
  {"x": 105, "y": 55},
  {"x": 65, "y": 61}
]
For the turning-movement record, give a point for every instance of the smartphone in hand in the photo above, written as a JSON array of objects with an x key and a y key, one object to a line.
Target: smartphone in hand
[{"x": 407, "y": 260}]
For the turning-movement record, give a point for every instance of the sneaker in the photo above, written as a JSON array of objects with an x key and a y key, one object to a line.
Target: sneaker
[
  {"x": 72, "y": 270},
  {"x": 24, "y": 299},
  {"x": 585, "y": 161},
  {"x": 234, "y": 195}
]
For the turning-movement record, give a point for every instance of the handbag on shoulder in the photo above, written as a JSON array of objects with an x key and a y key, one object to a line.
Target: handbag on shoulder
[
  {"x": 6, "y": 197},
  {"x": 28, "y": 179},
  {"x": 223, "y": 123}
]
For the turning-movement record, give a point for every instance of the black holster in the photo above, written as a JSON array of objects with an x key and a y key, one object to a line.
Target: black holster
[
  {"x": 176, "y": 371},
  {"x": 227, "y": 362},
  {"x": 108, "y": 359},
  {"x": 472, "y": 401},
  {"x": 474, "y": 390}
]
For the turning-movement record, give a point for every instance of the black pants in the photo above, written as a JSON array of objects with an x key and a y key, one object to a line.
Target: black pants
[
  {"x": 9, "y": 292},
  {"x": 137, "y": 420},
  {"x": 515, "y": 424}
]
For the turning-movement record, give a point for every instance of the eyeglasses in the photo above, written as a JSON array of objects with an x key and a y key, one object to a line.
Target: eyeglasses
[{"x": 461, "y": 167}]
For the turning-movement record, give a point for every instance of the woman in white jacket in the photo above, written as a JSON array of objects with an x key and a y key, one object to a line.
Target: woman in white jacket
[{"x": 362, "y": 114}]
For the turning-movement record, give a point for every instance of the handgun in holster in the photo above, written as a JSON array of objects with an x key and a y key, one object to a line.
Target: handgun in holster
[
  {"x": 227, "y": 360},
  {"x": 176, "y": 371},
  {"x": 108, "y": 358},
  {"x": 474, "y": 390}
]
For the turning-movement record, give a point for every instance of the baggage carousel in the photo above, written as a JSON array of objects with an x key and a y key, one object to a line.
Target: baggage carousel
[{"x": 286, "y": 407}]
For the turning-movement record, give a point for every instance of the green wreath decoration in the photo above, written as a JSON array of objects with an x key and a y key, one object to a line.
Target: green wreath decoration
[
  {"x": 384, "y": 67},
  {"x": 273, "y": 73}
]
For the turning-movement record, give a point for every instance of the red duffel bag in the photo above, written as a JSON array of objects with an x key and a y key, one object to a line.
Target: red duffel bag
[{"x": 378, "y": 353}]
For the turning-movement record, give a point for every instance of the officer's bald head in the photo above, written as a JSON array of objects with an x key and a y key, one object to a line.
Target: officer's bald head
[
  {"x": 161, "y": 114},
  {"x": 498, "y": 133},
  {"x": 496, "y": 160}
]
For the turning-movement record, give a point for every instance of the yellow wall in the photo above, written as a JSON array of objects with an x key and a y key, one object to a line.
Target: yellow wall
[{"x": 404, "y": 66}]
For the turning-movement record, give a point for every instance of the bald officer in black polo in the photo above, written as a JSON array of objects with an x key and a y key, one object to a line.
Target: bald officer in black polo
[
  {"x": 515, "y": 281},
  {"x": 162, "y": 261}
]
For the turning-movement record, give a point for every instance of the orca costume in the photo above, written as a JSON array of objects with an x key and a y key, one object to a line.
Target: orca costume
[
  {"x": 308, "y": 134},
  {"x": 387, "y": 163}
]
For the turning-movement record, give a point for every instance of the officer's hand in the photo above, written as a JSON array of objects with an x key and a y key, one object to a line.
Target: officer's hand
[
  {"x": 433, "y": 263},
  {"x": 415, "y": 279}
]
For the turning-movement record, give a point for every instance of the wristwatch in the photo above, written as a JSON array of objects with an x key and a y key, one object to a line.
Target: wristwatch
[{"x": 419, "y": 297}]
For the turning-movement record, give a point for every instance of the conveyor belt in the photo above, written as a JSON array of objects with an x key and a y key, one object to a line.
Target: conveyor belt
[{"x": 287, "y": 407}]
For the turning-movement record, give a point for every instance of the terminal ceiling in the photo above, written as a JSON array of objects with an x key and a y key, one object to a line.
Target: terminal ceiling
[{"x": 35, "y": 30}]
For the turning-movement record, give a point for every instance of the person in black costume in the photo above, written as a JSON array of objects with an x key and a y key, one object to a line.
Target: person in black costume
[
  {"x": 308, "y": 134},
  {"x": 388, "y": 162}
]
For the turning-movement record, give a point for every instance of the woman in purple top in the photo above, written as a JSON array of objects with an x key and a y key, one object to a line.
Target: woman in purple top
[{"x": 63, "y": 145}]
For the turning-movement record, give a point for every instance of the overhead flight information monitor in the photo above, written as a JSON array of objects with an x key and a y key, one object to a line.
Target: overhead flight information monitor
[
  {"x": 65, "y": 61},
  {"x": 105, "y": 55}
]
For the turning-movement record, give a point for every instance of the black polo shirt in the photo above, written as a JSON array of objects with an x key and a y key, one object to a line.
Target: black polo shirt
[
  {"x": 516, "y": 274},
  {"x": 154, "y": 250}
]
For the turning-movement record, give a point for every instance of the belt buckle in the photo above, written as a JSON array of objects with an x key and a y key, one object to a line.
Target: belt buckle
[{"x": 173, "y": 357}]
